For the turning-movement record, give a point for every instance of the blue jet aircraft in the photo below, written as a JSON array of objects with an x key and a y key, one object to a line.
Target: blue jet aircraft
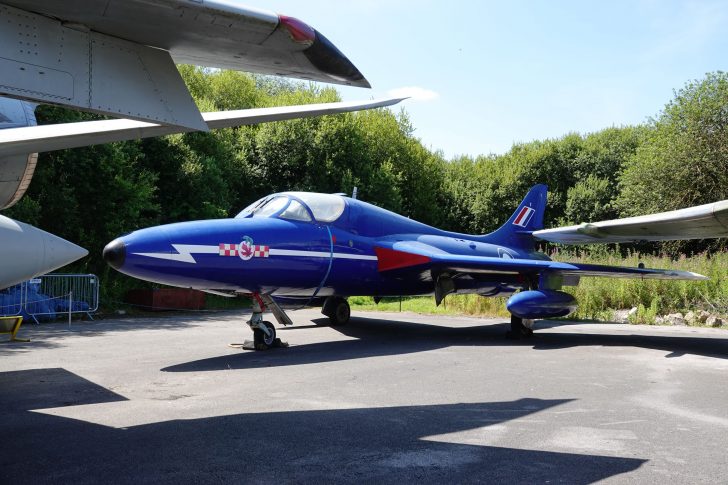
[{"x": 312, "y": 249}]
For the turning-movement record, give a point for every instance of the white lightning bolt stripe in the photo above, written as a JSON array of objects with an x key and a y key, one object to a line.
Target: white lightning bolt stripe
[{"x": 187, "y": 250}]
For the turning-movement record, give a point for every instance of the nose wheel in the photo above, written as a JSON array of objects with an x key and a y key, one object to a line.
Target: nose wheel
[
  {"x": 264, "y": 333},
  {"x": 264, "y": 336}
]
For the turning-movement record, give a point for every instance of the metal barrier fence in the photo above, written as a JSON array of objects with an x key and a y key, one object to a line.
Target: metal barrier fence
[
  {"x": 12, "y": 301},
  {"x": 51, "y": 295}
]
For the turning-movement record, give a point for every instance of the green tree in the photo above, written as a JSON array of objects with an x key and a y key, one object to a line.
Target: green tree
[
  {"x": 588, "y": 200},
  {"x": 683, "y": 160}
]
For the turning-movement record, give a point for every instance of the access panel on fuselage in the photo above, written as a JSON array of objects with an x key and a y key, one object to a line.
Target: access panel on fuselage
[{"x": 354, "y": 265}]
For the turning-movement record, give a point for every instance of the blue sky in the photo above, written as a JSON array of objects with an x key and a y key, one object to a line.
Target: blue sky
[{"x": 496, "y": 73}]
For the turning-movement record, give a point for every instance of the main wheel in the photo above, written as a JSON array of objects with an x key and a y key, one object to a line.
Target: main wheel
[
  {"x": 518, "y": 329},
  {"x": 263, "y": 340},
  {"x": 340, "y": 313}
]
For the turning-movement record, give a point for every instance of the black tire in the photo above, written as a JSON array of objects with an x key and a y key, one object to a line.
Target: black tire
[
  {"x": 340, "y": 313},
  {"x": 263, "y": 341},
  {"x": 518, "y": 330}
]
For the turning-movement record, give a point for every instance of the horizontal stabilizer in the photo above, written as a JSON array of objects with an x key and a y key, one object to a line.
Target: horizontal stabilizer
[
  {"x": 699, "y": 222},
  {"x": 45, "y": 138}
]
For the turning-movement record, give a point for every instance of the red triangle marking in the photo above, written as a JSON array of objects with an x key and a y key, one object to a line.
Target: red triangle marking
[{"x": 388, "y": 259}]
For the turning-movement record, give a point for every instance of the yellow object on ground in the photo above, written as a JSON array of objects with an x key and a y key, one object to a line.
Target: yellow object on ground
[{"x": 11, "y": 325}]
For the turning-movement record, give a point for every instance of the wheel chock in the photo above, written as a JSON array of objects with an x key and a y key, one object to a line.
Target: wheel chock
[
  {"x": 11, "y": 325},
  {"x": 250, "y": 345}
]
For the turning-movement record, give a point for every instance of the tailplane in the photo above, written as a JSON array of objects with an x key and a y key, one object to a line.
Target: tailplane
[{"x": 516, "y": 233}]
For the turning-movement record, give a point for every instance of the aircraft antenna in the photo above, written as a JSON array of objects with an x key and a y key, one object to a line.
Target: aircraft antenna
[{"x": 354, "y": 192}]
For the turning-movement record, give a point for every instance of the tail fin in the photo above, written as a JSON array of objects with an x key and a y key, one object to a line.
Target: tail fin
[{"x": 516, "y": 233}]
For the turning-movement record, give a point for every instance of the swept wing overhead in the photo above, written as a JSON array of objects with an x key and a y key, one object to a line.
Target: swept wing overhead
[
  {"x": 213, "y": 33},
  {"x": 699, "y": 222},
  {"x": 117, "y": 57},
  {"x": 14, "y": 141}
]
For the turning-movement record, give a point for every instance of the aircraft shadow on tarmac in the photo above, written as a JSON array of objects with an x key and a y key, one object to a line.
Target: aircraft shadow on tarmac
[
  {"x": 340, "y": 445},
  {"x": 48, "y": 334},
  {"x": 677, "y": 345},
  {"x": 377, "y": 337}
]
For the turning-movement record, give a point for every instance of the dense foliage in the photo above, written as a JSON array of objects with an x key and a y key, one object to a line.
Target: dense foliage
[{"x": 91, "y": 195}]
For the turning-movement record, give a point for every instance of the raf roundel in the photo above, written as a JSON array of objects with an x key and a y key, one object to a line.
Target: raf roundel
[{"x": 245, "y": 249}]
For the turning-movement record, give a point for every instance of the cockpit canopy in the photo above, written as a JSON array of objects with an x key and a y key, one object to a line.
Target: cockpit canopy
[{"x": 297, "y": 206}]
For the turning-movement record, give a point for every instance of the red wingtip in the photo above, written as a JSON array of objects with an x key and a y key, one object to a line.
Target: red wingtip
[
  {"x": 299, "y": 31},
  {"x": 388, "y": 259}
]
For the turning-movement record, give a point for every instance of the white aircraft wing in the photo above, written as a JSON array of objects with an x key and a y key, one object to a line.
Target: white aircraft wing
[
  {"x": 699, "y": 222},
  {"x": 214, "y": 33},
  {"x": 117, "y": 57},
  {"x": 29, "y": 139}
]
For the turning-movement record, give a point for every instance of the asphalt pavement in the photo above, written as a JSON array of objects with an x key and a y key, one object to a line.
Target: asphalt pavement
[{"x": 390, "y": 397}]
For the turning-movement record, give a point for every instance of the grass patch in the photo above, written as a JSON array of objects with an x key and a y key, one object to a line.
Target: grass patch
[
  {"x": 597, "y": 296},
  {"x": 452, "y": 305}
]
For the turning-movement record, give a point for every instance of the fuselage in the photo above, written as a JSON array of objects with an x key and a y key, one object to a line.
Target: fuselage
[
  {"x": 28, "y": 252},
  {"x": 303, "y": 245}
]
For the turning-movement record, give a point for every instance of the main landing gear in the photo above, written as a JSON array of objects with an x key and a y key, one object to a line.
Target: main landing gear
[
  {"x": 337, "y": 309},
  {"x": 520, "y": 328},
  {"x": 264, "y": 333}
]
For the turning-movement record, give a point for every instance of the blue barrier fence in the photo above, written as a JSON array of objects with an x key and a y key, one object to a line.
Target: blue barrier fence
[{"x": 50, "y": 296}]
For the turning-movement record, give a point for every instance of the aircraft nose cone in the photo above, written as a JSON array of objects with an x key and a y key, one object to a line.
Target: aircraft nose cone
[
  {"x": 115, "y": 253},
  {"x": 26, "y": 252}
]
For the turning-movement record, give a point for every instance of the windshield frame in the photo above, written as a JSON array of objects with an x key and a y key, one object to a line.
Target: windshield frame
[
  {"x": 263, "y": 202},
  {"x": 337, "y": 202},
  {"x": 291, "y": 200},
  {"x": 250, "y": 209}
]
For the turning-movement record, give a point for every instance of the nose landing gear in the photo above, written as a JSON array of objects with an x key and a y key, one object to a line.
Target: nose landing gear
[{"x": 264, "y": 333}]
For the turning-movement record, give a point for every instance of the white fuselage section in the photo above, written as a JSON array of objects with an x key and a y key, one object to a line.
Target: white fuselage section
[{"x": 26, "y": 252}]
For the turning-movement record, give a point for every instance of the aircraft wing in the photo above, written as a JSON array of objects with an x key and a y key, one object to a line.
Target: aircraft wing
[
  {"x": 485, "y": 265},
  {"x": 699, "y": 222},
  {"x": 117, "y": 57},
  {"x": 405, "y": 257},
  {"x": 30, "y": 139},
  {"x": 213, "y": 33}
]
